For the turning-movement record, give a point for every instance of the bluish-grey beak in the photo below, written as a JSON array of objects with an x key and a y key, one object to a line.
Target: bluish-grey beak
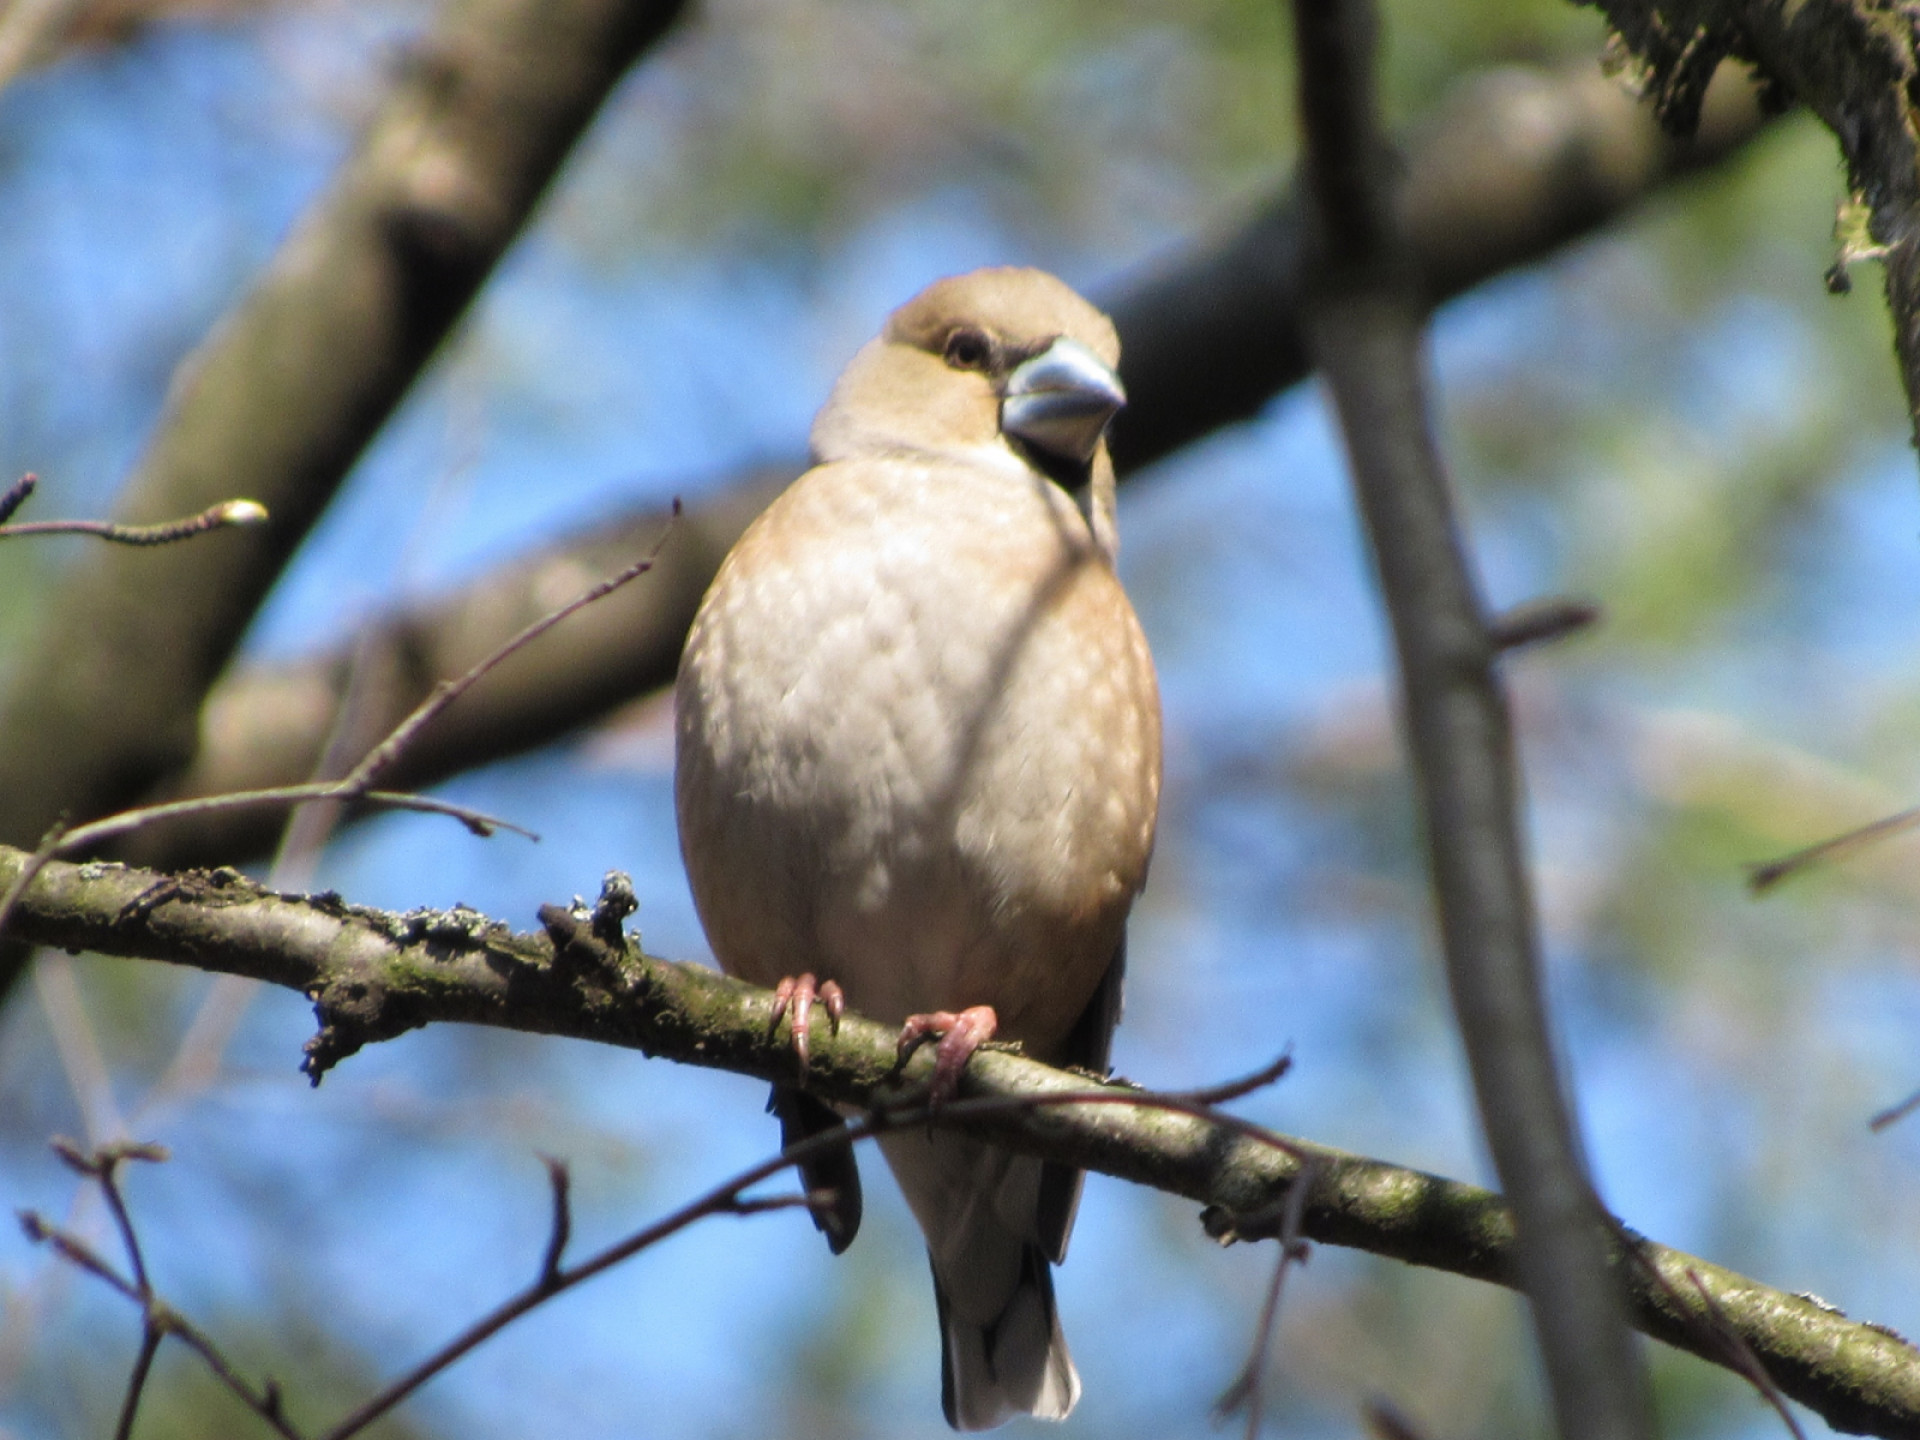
[{"x": 1061, "y": 400}]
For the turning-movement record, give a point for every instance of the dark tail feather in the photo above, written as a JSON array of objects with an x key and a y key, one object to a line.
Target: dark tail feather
[{"x": 832, "y": 1175}]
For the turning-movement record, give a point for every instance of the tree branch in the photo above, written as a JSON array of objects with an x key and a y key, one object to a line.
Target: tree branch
[
  {"x": 1366, "y": 336},
  {"x": 374, "y": 974},
  {"x": 280, "y": 400},
  {"x": 1856, "y": 65},
  {"x": 1513, "y": 163}
]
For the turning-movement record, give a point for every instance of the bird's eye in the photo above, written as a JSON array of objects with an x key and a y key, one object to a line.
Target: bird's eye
[{"x": 969, "y": 349}]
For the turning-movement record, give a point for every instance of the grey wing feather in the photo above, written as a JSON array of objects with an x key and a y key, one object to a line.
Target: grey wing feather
[{"x": 1088, "y": 1045}]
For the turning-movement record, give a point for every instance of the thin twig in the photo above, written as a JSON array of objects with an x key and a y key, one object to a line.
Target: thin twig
[
  {"x": 726, "y": 1199},
  {"x": 560, "y": 1182},
  {"x": 1717, "y": 1328},
  {"x": 168, "y": 1321},
  {"x": 448, "y": 691},
  {"x": 150, "y": 1338},
  {"x": 228, "y": 514},
  {"x": 357, "y": 786},
  {"x": 1743, "y": 1359},
  {"x": 35, "y": 864},
  {"x": 158, "y": 1319},
  {"x": 1763, "y": 877},
  {"x": 1536, "y": 622},
  {"x": 264, "y": 1402},
  {"x": 76, "y": 1252},
  {"x": 1893, "y": 1114},
  {"x": 109, "y": 1180},
  {"x": 16, "y": 495},
  {"x": 1268, "y": 1074},
  {"x": 98, "y": 832},
  {"x": 1248, "y": 1388},
  {"x": 61, "y": 841}
]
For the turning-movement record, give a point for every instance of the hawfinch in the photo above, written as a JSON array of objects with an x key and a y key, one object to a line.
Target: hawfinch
[{"x": 918, "y": 757}]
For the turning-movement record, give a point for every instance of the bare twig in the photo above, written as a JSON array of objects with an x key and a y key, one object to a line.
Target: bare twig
[
  {"x": 1741, "y": 1358},
  {"x": 727, "y": 1198},
  {"x": 158, "y": 1320},
  {"x": 448, "y": 691},
  {"x": 15, "y": 495},
  {"x": 1893, "y": 1114},
  {"x": 1269, "y": 1074},
  {"x": 356, "y": 787},
  {"x": 1538, "y": 621},
  {"x": 1365, "y": 333},
  {"x": 560, "y": 1182},
  {"x": 76, "y": 1252},
  {"x": 1718, "y": 1334},
  {"x": 228, "y": 514},
  {"x": 102, "y": 1165},
  {"x": 1764, "y": 877},
  {"x": 150, "y": 1338},
  {"x": 1248, "y": 1388},
  {"x": 66, "y": 841},
  {"x": 26, "y": 874}
]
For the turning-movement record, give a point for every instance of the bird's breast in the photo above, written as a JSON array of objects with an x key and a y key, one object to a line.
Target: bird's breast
[{"x": 919, "y": 744}]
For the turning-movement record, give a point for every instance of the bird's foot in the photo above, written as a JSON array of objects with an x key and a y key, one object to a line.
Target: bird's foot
[
  {"x": 796, "y": 996},
  {"x": 961, "y": 1033}
]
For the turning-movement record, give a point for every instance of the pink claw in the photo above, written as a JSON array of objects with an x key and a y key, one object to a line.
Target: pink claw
[
  {"x": 796, "y": 994},
  {"x": 960, "y": 1035}
]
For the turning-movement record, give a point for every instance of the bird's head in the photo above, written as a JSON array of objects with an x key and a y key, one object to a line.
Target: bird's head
[{"x": 1005, "y": 358}]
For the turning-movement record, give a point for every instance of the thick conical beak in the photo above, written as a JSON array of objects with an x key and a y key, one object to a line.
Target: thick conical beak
[{"x": 1061, "y": 400}]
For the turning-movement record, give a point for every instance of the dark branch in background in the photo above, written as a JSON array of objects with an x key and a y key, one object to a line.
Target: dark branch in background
[
  {"x": 1511, "y": 165},
  {"x": 1855, "y": 65},
  {"x": 269, "y": 724},
  {"x": 356, "y": 786},
  {"x": 1366, "y": 331},
  {"x": 373, "y": 975},
  {"x": 1514, "y": 163},
  {"x": 281, "y": 399}
]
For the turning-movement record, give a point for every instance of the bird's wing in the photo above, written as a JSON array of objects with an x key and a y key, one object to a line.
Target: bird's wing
[{"x": 1087, "y": 1046}]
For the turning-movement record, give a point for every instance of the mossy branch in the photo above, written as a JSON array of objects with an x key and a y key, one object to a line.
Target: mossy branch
[{"x": 374, "y": 974}]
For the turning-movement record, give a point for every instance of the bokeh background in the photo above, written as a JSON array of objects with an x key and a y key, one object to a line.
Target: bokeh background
[{"x": 1672, "y": 417}]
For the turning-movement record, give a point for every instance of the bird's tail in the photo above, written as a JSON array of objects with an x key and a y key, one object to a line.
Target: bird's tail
[
  {"x": 1016, "y": 1363},
  {"x": 1001, "y": 1350}
]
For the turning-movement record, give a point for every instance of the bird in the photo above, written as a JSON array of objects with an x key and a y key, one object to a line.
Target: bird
[{"x": 918, "y": 766}]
